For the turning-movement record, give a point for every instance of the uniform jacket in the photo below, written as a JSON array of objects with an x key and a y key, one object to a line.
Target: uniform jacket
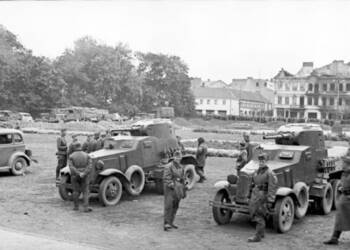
[
  {"x": 241, "y": 159},
  {"x": 80, "y": 163},
  {"x": 249, "y": 148},
  {"x": 201, "y": 154},
  {"x": 342, "y": 218},
  {"x": 173, "y": 178},
  {"x": 61, "y": 146},
  {"x": 88, "y": 146}
]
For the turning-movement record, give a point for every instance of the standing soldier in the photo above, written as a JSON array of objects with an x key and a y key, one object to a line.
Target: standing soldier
[
  {"x": 242, "y": 158},
  {"x": 180, "y": 145},
  {"x": 80, "y": 166},
  {"x": 342, "y": 217},
  {"x": 248, "y": 146},
  {"x": 97, "y": 141},
  {"x": 61, "y": 152},
  {"x": 88, "y": 145},
  {"x": 174, "y": 189},
  {"x": 201, "y": 156},
  {"x": 263, "y": 197},
  {"x": 71, "y": 145}
]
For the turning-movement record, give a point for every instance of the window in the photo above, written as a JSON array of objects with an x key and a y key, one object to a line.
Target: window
[
  {"x": 286, "y": 100},
  {"x": 316, "y": 88},
  {"x": 265, "y": 84},
  {"x": 17, "y": 138},
  {"x": 340, "y": 102},
  {"x": 5, "y": 139},
  {"x": 200, "y": 101},
  {"x": 215, "y": 102},
  {"x": 208, "y": 101},
  {"x": 279, "y": 85},
  {"x": 331, "y": 101},
  {"x": 310, "y": 87},
  {"x": 294, "y": 100},
  {"x": 309, "y": 100},
  {"x": 223, "y": 102},
  {"x": 302, "y": 86},
  {"x": 316, "y": 100},
  {"x": 287, "y": 86},
  {"x": 340, "y": 87},
  {"x": 348, "y": 87},
  {"x": 332, "y": 87},
  {"x": 347, "y": 102},
  {"x": 294, "y": 86},
  {"x": 279, "y": 100},
  {"x": 324, "y": 87},
  {"x": 257, "y": 84},
  {"x": 324, "y": 101},
  {"x": 301, "y": 100}
]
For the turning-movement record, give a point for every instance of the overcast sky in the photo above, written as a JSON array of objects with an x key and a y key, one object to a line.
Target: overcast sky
[{"x": 217, "y": 39}]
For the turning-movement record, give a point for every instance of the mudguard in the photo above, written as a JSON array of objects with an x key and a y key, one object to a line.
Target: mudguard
[
  {"x": 65, "y": 171},
  {"x": 285, "y": 191},
  {"x": 116, "y": 172},
  {"x": 19, "y": 154},
  {"x": 131, "y": 170},
  {"x": 221, "y": 185},
  {"x": 189, "y": 159}
]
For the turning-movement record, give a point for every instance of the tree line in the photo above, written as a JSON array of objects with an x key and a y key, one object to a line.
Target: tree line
[{"x": 92, "y": 75}]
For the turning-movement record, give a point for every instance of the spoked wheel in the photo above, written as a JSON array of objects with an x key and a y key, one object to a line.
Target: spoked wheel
[
  {"x": 19, "y": 166},
  {"x": 110, "y": 191},
  {"x": 222, "y": 215},
  {"x": 64, "y": 189},
  {"x": 284, "y": 214},
  {"x": 190, "y": 175}
]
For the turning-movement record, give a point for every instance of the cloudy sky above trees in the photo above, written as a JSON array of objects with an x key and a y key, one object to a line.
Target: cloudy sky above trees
[{"x": 217, "y": 39}]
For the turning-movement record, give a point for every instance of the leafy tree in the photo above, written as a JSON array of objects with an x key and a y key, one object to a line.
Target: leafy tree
[{"x": 165, "y": 83}]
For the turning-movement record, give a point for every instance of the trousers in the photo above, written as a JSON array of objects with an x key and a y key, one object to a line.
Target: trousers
[
  {"x": 200, "y": 172},
  {"x": 80, "y": 185},
  {"x": 171, "y": 205},
  {"x": 61, "y": 163}
]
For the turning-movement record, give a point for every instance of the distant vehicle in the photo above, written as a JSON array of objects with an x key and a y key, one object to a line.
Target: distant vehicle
[
  {"x": 117, "y": 117},
  {"x": 14, "y": 156},
  {"x": 80, "y": 114},
  {"x": 306, "y": 176},
  {"x": 128, "y": 162},
  {"x": 165, "y": 112},
  {"x": 26, "y": 117},
  {"x": 8, "y": 115}
]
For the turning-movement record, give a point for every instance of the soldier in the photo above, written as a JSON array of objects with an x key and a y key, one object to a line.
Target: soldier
[
  {"x": 242, "y": 158},
  {"x": 248, "y": 145},
  {"x": 201, "y": 156},
  {"x": 342, "y": 218},
  {"x": 71, "y": 145},
  {"x": 174, "y": 189},
  {"x": 80, "y": 166},
  {"x": 61, "y": 152},
  {"x": 97, "y": 141},
  {"x": 263, "y": 197},
  {"x": 180, "y": 145}
]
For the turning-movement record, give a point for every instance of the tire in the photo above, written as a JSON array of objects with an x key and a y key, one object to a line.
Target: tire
[
  {"x": 325, "y": 203},
  {"x": 336, "y": 192},
  {"x": 136, "y": 182},
  {"x": 190, "y": 176},
  {"x": 19, "y": 166},
  {"x": 110, "y": 191},
  {"x": 302, "y": 193},
  {"x": 65, "y": 193},
  {"x": 222, "y": 216},
  {"x": 159, "y": 186},
  {"x": 284, "y": 214}
]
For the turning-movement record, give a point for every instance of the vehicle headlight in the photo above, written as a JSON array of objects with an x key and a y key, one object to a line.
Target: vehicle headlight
[{"x": 99, "y": 165}]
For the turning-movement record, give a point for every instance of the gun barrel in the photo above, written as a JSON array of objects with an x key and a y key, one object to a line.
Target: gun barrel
[{"x": 277, "y": 136}]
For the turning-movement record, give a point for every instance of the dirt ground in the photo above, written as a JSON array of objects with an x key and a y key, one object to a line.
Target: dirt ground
[{"x": 31, "y": 204}]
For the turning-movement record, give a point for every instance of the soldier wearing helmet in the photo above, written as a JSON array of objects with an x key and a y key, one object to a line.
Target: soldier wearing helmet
[
  {"x": 61, "y": 152},
  {"x": 201, "y": 156},
  {"x": 71, "y": 145},
  {"x": 263, "y": 197},
  {"x": 242, "y": 158}
]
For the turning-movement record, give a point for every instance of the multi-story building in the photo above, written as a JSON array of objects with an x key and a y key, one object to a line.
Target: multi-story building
[
  {"x": 322, "y": 93},
  {"x": 226, "y": 101}
]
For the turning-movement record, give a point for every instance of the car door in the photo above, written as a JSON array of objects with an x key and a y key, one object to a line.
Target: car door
[
  {"x": 149, "y": 152},
  {"x": 6, "y": 148}
]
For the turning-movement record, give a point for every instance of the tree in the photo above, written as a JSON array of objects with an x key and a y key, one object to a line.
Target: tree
[{"x": 165, "y": 82}]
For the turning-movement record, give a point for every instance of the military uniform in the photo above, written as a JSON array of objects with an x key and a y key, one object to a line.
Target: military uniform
[
  {"x": 342, "y": 218},
  {"x": 80, "y": 166},
  {"x": 61, "y": 154},
  {"x": 174, "y": 191},
  {"x": 262, "y": 198},
  {"x": 71, "y": 146},
  {"x": 248, "y": 146},
  {"x": 88, "y": 145},
  {"x": 201, "y": 156},
  {"x": 242, "y": 158}
]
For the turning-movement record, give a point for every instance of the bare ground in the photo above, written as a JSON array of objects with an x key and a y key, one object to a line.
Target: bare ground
[{"x": 31, "y": 204}]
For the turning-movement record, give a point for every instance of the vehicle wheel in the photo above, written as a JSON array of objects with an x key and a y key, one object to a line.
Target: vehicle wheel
[
  {"x": 284, "y": 214},
  {"x": 325, "y": 203},
  {"x": 110, "y": 191},
  {"x": 65, "y": 192},
  {"x": 336, "y": 192},
  {"x": 159, "y": 186},
  {"x": 302, "y": 194},
  {"x": 19, "y": 166},
  {"x": 222, "y": 215},
  {"x": 136, "y": 182},
  {"x": 190, "y": 176}
]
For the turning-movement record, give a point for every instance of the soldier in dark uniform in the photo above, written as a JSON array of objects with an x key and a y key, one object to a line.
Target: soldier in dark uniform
[
  {"x": 80, "y": 166},
  {"x": 263, "y": 197},
  {"x": 97, "y": 142},
  {"x": 88, "y": 145},
  {"x": 71, "y": 145},
  {"x": 61, "y": 152},
  {"x": 342, "y": 218},
  {"x": 174, "y": 189},
  {"x": 180, "y": 145},
  {"x": 248, "y": 146},
  {"x": 242, "y": 157},
  {"x": 201, "y": 156}
]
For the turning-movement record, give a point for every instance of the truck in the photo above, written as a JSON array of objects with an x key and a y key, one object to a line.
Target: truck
[
  {"x": 306, "y": 176},
  {"x": 131, "y": 158}
]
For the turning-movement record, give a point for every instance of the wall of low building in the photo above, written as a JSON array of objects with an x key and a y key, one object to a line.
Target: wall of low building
[{"x": 207, "y": 106}]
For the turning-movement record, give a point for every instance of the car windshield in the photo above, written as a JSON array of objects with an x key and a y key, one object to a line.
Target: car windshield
[
  {"x": 5, "y": 138},
  {"x": 119, "y": 144}
]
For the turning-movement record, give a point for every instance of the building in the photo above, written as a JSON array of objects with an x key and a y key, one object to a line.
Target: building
[
  {"x": 321, "y": 93},
  {"x": 198, "y": 82},
  {"x": 227, "y": 101}
]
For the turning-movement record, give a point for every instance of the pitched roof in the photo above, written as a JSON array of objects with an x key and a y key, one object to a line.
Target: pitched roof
[
  {"x": 226, "y": 93},
  {"x": 283, "y": 73},
  {"x": 337, "y": 68}
]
